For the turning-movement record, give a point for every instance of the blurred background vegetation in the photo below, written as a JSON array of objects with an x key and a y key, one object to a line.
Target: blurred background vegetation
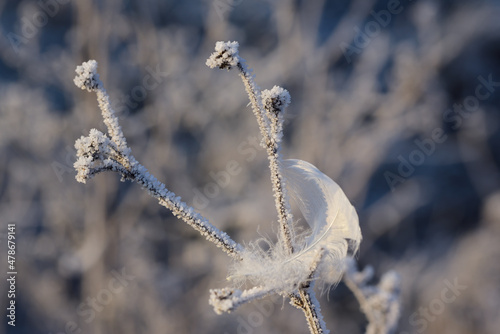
[{"x": 377, "y": 89}]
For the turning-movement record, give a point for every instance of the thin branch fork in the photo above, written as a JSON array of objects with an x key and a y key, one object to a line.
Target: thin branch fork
[
  {"x": 97, "y": 153},
  {"x": 270, "y": 120},
  {"x": 269, "y": 117}
]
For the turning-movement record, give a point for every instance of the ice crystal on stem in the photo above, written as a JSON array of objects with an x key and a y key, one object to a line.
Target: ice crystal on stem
[
  {"x": 276, "y": 99},
  {"x": 228, "y": 299},
  {"x": 91, "y": 151},
  {"x": 225, "y": 56},
  {"x": 87, "y": 77}
]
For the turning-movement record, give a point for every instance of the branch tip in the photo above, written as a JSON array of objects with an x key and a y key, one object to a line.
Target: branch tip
[
  {"x": 87, "y": 76},
  {"x": 225, "y": 56}
]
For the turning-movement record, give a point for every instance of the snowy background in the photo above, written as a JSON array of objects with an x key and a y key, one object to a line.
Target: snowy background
[{"x": 396, "y": 101}]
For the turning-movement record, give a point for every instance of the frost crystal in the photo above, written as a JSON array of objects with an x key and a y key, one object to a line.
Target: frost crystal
[
  {"x": 224, "y": 300},
  {"x": 94, "y": 143},
  {"x": 90, "y": 151},
  {"x": 225, "y": 55},
  {"x": 87, "y": 77},
  {"x": 276, "y": 99},
  {"x": 275, "y": 102}
]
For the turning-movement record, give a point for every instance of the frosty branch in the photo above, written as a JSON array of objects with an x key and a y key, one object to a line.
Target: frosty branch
[
  {"x": 98, "y": 153},
  {"x": 292, "y": 265},
  {"x": 379, "y": 303},
  {"x": 268, "y": 107}
]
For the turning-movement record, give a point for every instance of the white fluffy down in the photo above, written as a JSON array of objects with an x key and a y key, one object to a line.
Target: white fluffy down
[{"x": 334, "y": 229}]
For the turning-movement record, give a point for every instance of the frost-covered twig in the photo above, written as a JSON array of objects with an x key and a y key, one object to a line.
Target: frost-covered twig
[
  {"x": 312, "y": 311},
  {"x": 379, "y": 303},
  {"x": 293, "y": 263},
  {"x": 307, "y": 299},
  {"x": 275, "y": 102},
  {"x": 228, "y": 299},
  {"x": 88, "y": 79},
  {"x": 268, "y": 107},
  {"x": 97, "y": 153}
]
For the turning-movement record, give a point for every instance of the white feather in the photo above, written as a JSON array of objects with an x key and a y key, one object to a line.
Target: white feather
[
  {"x": 322, "y": 202},
  {"x": 328, "y": 212},
  {"x": 334, "y": 229}
]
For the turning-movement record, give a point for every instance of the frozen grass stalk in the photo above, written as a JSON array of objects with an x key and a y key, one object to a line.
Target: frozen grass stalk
[{"x": 297, "y": 261}]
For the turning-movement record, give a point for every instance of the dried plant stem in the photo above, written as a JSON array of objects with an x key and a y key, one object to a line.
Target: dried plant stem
[
  {"x": 98, "y": 153},
  {"x": 271, "y": 134},
  {"x": 110, "y": 119},
  {"x": 380, "y": 303},
  {"x": 227, "y": 299},
  {"x": 312, "y": 311},
  {"x": 285, "y": 217},
  {"x": 306, "y": 300},
  {"x": 361, "y": 299},
  {"x": 178, "y": 208},
  {"x": 187, "y": 214}
]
